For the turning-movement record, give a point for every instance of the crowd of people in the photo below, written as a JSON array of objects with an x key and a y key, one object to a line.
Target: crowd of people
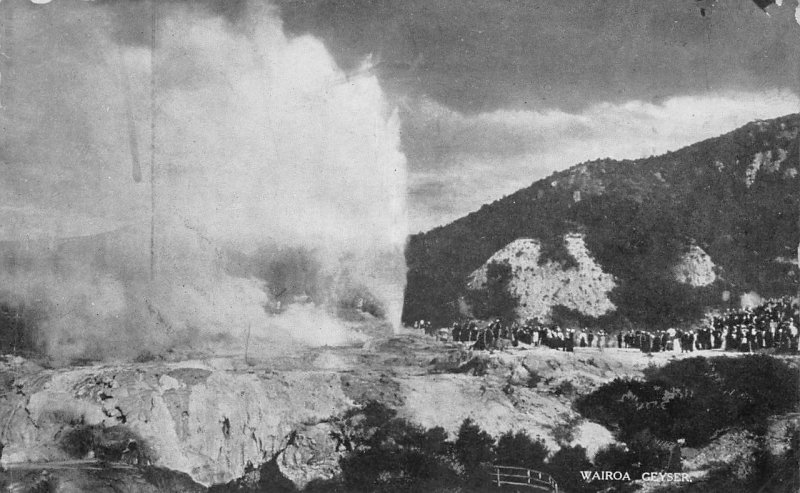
[
  {"x": 531, "y": 332},
  {"x": 676, "y": 340},
  {"x": 771, "y": 325}
]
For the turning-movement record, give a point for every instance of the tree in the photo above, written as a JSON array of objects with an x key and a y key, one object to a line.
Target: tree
[
  {"x": 565, "y": 466},
  {"x": 519, "y": 449},
  {"x": 474, "y": 448},
  {"x": 392, "y": 454},
  {"x": 494, "y": 299}
]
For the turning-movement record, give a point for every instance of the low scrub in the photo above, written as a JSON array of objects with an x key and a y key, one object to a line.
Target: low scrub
[
  {"x": 390, "y": 454},
  {"x": 695, "y": 399}
]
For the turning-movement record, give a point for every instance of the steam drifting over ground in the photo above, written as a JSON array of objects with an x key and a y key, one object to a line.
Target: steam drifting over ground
[{"x": 262, "y": 146}]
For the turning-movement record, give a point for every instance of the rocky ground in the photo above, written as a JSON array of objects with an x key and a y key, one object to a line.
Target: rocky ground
[{"x": 201, "y": 421}]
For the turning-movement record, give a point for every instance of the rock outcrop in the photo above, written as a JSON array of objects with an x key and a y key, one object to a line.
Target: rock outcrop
[
  {"x": 206, "y": 421},
  {"x": 541, "y": 286},
  {"x": 695, "y": 268}
]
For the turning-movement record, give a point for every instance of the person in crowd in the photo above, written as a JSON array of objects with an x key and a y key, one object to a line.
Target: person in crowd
[
  {"x": 764, "y": 327},
  {"x": 772, "y": 326}
]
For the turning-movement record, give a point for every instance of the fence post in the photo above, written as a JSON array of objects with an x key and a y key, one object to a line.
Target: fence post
[
  {"x": 497, "y": 469},
  {"x": 529, "y": 476}
]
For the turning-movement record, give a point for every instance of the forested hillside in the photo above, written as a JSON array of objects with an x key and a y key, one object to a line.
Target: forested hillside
[{"x": 736, "y": 197}]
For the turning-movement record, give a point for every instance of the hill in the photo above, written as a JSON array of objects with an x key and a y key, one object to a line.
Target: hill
[{"x": 677, "y": 235}]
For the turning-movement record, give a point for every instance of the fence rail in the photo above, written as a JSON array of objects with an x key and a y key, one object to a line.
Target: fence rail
[{"x": 521, "y": 476}]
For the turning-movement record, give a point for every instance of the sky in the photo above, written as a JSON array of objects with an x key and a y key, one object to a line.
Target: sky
[
  {"x": 489, "y": 95},
  {"x": 496, "y": 94}
]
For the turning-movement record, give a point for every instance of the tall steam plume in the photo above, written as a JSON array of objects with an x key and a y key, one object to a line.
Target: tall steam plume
[{"x": 276, "y": 198}]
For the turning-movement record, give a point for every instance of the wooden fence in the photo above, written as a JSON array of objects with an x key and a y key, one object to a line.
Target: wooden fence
[{"x": 520, "y": 476}]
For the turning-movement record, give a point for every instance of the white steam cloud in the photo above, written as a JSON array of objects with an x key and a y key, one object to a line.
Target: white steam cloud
[{"x": 262, "y": 144}]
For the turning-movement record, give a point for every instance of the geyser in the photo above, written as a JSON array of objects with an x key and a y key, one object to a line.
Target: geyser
[{"x": 256, "y": 143}]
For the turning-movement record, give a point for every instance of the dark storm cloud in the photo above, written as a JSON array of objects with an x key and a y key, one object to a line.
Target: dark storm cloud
[
  {"x": 481, "y": 55},
  {"x": 496, "y": 94},
  {"x": 133, "y": 19}
]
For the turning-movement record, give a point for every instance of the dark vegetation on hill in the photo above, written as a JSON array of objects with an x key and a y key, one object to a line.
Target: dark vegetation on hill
[
  {"x": 639, "y": 217},
  {"x": 494, "y": 300},
  {"x": 697, "y": 400}
]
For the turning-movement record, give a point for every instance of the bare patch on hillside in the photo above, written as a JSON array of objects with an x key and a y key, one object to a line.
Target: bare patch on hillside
[{"x": 540, "y": 287}]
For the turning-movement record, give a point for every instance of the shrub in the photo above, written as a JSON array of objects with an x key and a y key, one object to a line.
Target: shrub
[
  {"x": 78, "y": 441},
  {"x": 565, "y": 388},
  {"x": 616, "y": 458},
  {"x": 474, "y": 448},
  {"x": 145, "y": 357},
  {"x": 434, "y": 441},
  {"x": 736, "y": 391},
  {"x": 630, "y": 406},
  {"x": 393, "y": 469},
  {"x": 565, "y": 466},
  {"x": 564, "y": 432},
  {"x": 696, "y": 398},
  {"x": 519, "y": 449},
  {"x": 494, "y": 299},
  {"x": 654, "y": 455},
  {"x": 533, "y": 380},
  {"x": 393, "y": 454}
]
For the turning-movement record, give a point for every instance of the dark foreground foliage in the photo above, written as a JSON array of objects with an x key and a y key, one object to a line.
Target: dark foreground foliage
[
  {"x": 695, "y": 399},
  {"x": 391, "y": 454},
  {"x": 386, "y": 453},
  {"x": 517, "y": 449}
]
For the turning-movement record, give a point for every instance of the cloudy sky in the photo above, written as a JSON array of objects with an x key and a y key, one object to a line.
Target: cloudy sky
[
  {"x": 496, "y": 94},
  {"x": 490, "y": 95}
]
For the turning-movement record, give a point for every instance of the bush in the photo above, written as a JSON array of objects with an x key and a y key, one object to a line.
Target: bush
[
  {"x": 494, "y": 299},
  {"x": 696, "y": 398},
  {"x": 616, "y": 458},
  {"x": 630, "y": 406},
  {"x": 761, "y": 473},
  {"x": 394, "y": 469},
  {"x": 565, "y": 466},
  {"x": 566, "y": 389},
  {"x": 564, "y": 432},
  {"x": 741, "y": 391},
  {"x": 392, "y": 454},
  {"x": 654, "y": 455},
  {"x": 474, "y": 448},
  {"x": 434, "y": 441},
  {"x": 533, "y": 380},
  {"x": 518, "y": 449}
]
